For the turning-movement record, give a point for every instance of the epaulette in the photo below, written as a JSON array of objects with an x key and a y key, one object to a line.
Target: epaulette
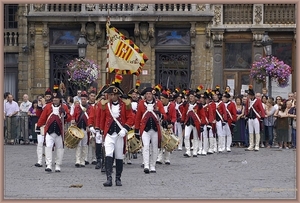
[
  {"x": 103, "y": 103},
  {"x": 127, "y": 103}
]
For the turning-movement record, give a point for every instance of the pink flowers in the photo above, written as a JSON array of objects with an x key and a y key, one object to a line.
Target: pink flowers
[
  {"x": 271, "y": 66},
  {"x": 82, "y": 71}
]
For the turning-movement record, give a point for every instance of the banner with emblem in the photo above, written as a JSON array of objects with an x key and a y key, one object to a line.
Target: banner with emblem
[{"x": 123, "y": 56}]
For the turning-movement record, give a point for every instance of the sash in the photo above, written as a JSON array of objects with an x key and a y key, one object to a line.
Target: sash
[
  {"x": 254, "y": 108},
  {"x": 82, "y": 108},
  {"x": 118, "y": 123},
  {"x": 228, "y": 111},
  {"x": 217, "y": 105},
  {"x": 178, "y": 109},
  {"x": 149, "y": 111},
  {"x": 195, "y": 114}
]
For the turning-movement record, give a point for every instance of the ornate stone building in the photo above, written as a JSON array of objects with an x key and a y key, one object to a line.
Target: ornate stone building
[{"x": 187, "y": 44}]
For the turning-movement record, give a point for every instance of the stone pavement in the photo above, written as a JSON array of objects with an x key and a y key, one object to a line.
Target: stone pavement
[{"x": 267, "y": 174}]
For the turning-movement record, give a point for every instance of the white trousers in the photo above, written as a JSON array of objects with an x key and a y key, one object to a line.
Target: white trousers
[
  {"x": 220, "y": 130},
  {"x": 152, "y": 136},
  {"x": 114, "y": 144},
  {"x": 187, "y": 132},
  {"x": 54, "y": 138},
  {"x": 253, "y": 126},
  {"x": 178, "y": 133},
  {"x": 83, "y": 141}
]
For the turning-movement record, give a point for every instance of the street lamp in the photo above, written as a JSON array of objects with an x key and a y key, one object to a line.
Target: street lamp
[
  {"x": 267, "y": 43},
  {"x": 82, "y": 44}
]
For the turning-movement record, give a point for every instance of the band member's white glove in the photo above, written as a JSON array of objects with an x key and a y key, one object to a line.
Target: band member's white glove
[
  {"x": 92, "y": 129},
  {"x": 98, "y": 137},
  {"x": 122, "y": 132}
]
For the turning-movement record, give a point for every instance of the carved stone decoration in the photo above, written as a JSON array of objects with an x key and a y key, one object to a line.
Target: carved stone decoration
[
  {"x": 45, "y": 44},
  {"x": 136, "y": 30},
  {"x": 45, "y": 30},
  {"x": 193, "y": 34},
  {"x": 218, "y": 39},
  {"x": 82, "y": 30},
  {"x": 98, "y": 30},
  {"x": 90, "y": 7},
  {"x": 91, "y": 32},
  {"x": 143, "y": 7},
  {"x": 151, "y": 33},
  {"x": 201, "y": 7},
  {"x": 144, "y": 34},
  {"x": 32, "y": 30},
  {"x": 218, "y": 14},
  {"x": 258, "y": 14},
  {"x": 257, "y": 37},
  {"x": 39, "y": 7},
  {"x": 32, "y": 43}
]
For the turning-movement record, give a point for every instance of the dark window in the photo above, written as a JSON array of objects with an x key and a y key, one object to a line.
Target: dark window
[
  {"x": 10, "y": 16},
  {"x": 238, "y": 55},
  {"x": 64, "y": 37},
  {"x": 283, "y": 51},
  {"x": 173, "y": 37}
]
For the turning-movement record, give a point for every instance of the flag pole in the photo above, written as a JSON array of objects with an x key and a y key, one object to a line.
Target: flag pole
[{"x": 107, "y": 46}]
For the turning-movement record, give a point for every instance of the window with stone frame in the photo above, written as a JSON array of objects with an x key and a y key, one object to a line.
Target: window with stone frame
[
  {"x": 10, "y": 16},
  {"x": 237, "y": 55},
  {"x": 173, "y": 37}
]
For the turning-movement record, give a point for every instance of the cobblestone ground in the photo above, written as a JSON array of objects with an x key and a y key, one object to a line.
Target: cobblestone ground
[{"x": 267, "y": 174}]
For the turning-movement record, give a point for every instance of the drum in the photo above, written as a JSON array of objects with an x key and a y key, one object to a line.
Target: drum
[
  {"x": 173, "y": 143},
  {"x": 73, "y": 137},
  {"x": 165, "y": 137},
  {"x": 134, "y": 144}
]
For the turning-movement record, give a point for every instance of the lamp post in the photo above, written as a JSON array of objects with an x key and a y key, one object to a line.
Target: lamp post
[
  {"x": 267, "y": 44},
  {"x": 82, "y": 44}
]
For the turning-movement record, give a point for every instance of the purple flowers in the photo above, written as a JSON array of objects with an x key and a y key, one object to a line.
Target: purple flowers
[
  {"x": 82, "y": 71},
  {"x": 271, "y": 66}
]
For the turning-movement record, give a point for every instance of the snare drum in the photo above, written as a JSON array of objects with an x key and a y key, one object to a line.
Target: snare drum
[
  {"x": 165, "y": 134},
  {"x": 134, "y": 144},
  {"x": 173, "y": 143},
  {"x": 73, "y": 137}
]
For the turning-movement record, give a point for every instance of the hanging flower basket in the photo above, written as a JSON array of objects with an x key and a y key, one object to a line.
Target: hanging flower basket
[
  {"x": 83, "y": 72},
  {"x": 272, "y": 67}
]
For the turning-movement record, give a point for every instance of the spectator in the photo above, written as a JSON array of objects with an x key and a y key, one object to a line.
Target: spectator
[
  {"x": 77, "y": 97},
  {"x": 278, "y": 101},
  {"x": 291, "y": 97},
  {"x": 261, "y": 123},
  {"x": 292, "y": 115},
  {"x": 264, "y": 91},
  {"x": 11, "y": 109},
  {"x": 282, "y": 127},
  {"x": 264, "y": 99},
  {"x": 244, "y": 100},
  {"x": 288, "y": 107},
  {"x": 24, "y": 124},
  {"x": 239, "y": 133},
  {"x": 33, "y": 118},
  {"x": 269, "y": 122},
  {"x": 70, "y": 102},
  {"x": 5, "y": 100}
]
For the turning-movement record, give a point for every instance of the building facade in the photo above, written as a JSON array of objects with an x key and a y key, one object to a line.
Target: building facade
[{"x": 187, "y": 44}]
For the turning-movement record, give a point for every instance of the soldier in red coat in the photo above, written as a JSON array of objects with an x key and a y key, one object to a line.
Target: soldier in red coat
[
  {"x": 179, "y": 107},
  {"x": 80, "y": 118},
  {"x": 203, "y": 143},
  {"x": 220, "y": 119},
  {"x": 40, "y": 138},
  {"x": 168, "y": 123},
  {"x": 209, "y": 128},
  {"x": 231, "y": 119},
  {"x": 194, "y": 121},
  {"x": 115, "y": 121},
  {"x": 254, "y": 112},
  {"x": 147, "y": 124},
  {"x": 52, "y": 117}
]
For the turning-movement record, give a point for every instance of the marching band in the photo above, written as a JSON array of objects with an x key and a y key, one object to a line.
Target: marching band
[{"x": 155, "y": 122}]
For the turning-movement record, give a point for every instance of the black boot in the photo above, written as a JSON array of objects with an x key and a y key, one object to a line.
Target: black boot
[
  {"x": 119, "y": 169},
  {"x": 108, "y": 166},
  {"x": 98, "y": 156},
  {"x": 103, "y": 159}
]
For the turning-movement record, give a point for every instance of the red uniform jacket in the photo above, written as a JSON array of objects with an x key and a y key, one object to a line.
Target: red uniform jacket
[
  {"x": 219, "y": 105},
  {"x": 141, "y": 119},
  {"x": 196, "y": 114},
  {"x": 46, "y": 120},
  {"x": 126, "y": 116},
  {"x": 97, "y": 115},
  {"x": 180, "y": 111},
  {"x": 171, "y": 113},
  {"x": 78, "y": 112},
  {"x": 92, "y": 115},
  {"x": 231, "y": 110},
  {"x": 208, "y": 113},
  {"x": 258, "y": 108}
]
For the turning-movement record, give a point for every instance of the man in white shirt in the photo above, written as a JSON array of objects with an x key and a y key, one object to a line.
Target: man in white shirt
[
  {"x": 24, "y": 108},
  {"x": 77, "y": 97},
  {"x": 11, "y": 109}
]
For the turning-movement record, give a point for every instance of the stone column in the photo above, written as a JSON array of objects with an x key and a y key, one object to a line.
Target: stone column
[
  {"x": 218, "y": 58},
  {"x": 258, "y": 52}
]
